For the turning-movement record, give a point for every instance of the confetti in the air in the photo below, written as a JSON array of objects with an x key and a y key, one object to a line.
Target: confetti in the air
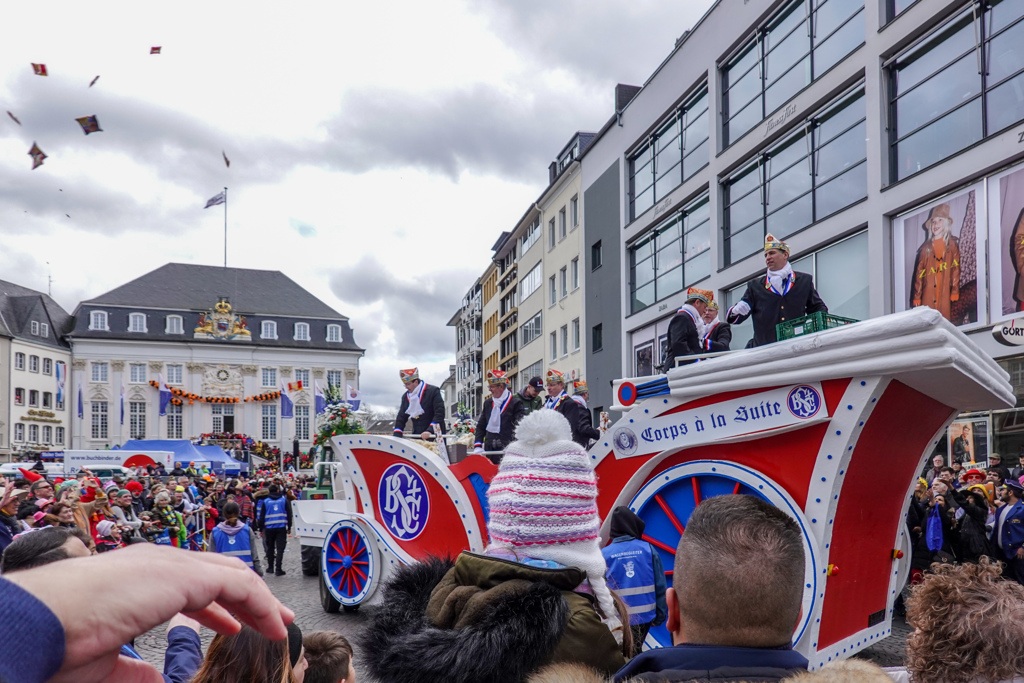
[
  {"x": 226, "y": 161},
  {"x": 154, "y": 50},
  {"x": 37, "y": 156},
  {"x": 13, "y": 118},
  {"x": 89, "y": 124},
  {"x": 93, "y": 81}
]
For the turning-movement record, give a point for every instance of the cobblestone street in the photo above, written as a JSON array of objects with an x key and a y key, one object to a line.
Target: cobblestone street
[{"x": 302, "y": 595}]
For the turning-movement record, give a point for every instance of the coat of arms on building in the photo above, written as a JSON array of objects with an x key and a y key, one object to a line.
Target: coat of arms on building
[{"x": 221, "y": 323}]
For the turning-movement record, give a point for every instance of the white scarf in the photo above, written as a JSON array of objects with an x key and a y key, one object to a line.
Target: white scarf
[
  {"x": 494, "y": 421},
  {"x": 697, "y": 320},
  {"x": 415, "y": 409},
  {"x": 777, "y": 277},
  {"x": 579, "y": 399},
  {"x": 709, "y": 327}
]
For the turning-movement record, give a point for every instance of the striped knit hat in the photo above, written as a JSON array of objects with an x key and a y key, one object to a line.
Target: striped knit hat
[{"x": 543, "y": 503}]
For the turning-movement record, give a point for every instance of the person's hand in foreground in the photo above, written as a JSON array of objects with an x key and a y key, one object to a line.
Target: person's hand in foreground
[{"x": 137, "y": 589}]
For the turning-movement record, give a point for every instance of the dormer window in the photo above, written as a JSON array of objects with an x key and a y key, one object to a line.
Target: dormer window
[
  {"x": 174, "y": 325},
  {"x": 35, "y": 327},
  {"x": 137, "y": 322},
  {"x": 268, "y": 329},
  {"x": 44, "y": 330},
  {"x": 98, "y": 320},
  {"x": 334, "y": 333},
  {"x": 301, "y": 331}
]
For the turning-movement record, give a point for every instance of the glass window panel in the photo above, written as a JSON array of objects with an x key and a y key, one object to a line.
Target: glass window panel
[
  {"x": 1006, "y": 53},
  {"x": 669, "y": 257},
  {"x": 643, "y": 177},
  {"x": 671, "y": 282},
  {"x": 928, "y": 58},
  {"x": 841, "y": 277},
  {"x": 788, "y": 85},
  {"x": 744, "y": 332},
  {"x": 786, "y": 54},
  {"x": 787, "y": 25},
  {"x": 900, "y": 5},
  {"x": 697, "y": 215},
  {"x": 1006, "y": 104},
  {"x": 668, "y": 134},
  {"x": 643, "y": 297},
  {"x": 839, "y": 120},
  {"x": 696, "y": 110},
  {"x": 785, "y": 157},
  {"x": 667, "y": 158},
  {"x": 831, "y": 13},
  {"x": 845, "y": 151},
  {"x": 668, "y": 182},
  {"x": 669, "y": 233},
  {"x": 788, "y": 186},
  {"x": 953, "y": 85},
  {"x": 642, "y": 158},
  {"x": 697, "y": 132},
  {"x": 746, "y": 89},
  {"x": 643, "y": 249},
  {"x": 741, "y": 185},
  {"x": 840, "y": 192},
  {"x": 698, "y": 268},
  {"x": 696, "y": 160},
  {"x": 742, "y": 64},
  {"x": 743, "y": 121},
  {"x": 746, "y": 242},
  {"x": 697, "y": 240},
  {"x": 745, "y": 211},
  {"x": 946, "y": 136},
  {"x": 643, "y": 272},
  {"x": 1003, "y": 13},
  {"x": 839, "y": 44},
  {"x": 643, "y": 202},
  {"x": 792, "y": 217}
]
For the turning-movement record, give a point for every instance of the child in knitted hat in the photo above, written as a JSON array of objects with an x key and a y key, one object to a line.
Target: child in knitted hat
[{"x": 108, "y": 536}]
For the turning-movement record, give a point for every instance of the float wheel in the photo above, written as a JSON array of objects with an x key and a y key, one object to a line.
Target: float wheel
[{"x": 348, "y": 565}]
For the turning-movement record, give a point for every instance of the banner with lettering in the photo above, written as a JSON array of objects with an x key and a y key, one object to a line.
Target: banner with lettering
[{"x": 755, "y": 414}]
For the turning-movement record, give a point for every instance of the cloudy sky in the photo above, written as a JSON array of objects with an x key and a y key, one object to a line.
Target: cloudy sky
[{"x": 377, "y": 149}]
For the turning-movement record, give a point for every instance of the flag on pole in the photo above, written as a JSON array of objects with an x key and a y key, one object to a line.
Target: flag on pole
[
  {"x": 39, "y": 69},
  {"x": 61, "y": 372},
  {"x": 295, "y": 386},
  {"x": 227, "y": 161},
  {"x": 122, "y": 400},
  {"x": 287, "y": 409},
  {"x": 153, "y": 51},
  {"x": 81, "y": 408},
  {"x": 215, "y": 200},
  {"x": 320, "y": 400},
  {"x": 352, "y": 397},
  {"x": 165, "y": 394}
]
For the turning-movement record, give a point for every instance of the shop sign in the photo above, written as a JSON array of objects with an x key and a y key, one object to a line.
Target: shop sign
[{"x": 1009, "y": 333}]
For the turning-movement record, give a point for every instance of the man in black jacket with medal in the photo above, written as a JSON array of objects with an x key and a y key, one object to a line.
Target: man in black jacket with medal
[
  {"x": 578, "y": 416},
  {"x": 717, "y": 334},
  {"x": 496, "y": 427},
  {"x": 423, "y": 403},
  {"x": 777, "y": 296},
  {"x": 686, "y": 329}
]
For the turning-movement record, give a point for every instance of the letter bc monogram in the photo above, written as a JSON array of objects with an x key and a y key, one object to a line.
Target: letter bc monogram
[
  {"x": 804, "y": 401},
  {"x": 403, "y": 500}
]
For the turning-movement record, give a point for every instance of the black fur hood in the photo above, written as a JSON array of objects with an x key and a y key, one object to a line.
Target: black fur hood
[{"x": 507, "y": 640}]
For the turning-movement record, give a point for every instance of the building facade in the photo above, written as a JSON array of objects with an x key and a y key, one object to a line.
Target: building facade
[
  {"x": 224, "y": 339},
  {"x": 35, "y": 358},
  {"x": 881, "y": 140},
  {"x": 468, "y": 324}
]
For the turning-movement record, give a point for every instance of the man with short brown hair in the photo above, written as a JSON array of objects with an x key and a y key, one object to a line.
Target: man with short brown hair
[{"x": 328, "y": 658}]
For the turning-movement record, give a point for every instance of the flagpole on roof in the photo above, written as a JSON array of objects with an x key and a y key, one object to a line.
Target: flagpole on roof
[{"x": 225, "y": 227}]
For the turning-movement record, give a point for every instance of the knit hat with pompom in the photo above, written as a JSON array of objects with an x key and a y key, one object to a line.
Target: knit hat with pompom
[{"x": 543, "y": 504}]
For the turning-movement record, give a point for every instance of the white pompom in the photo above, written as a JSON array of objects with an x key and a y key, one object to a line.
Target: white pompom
[{"x": 542, "y": 427}]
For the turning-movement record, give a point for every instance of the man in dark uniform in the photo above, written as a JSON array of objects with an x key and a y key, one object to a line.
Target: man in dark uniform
[
  {"x": 717, "y": 334},
  {"x": 686, "y": 329},
  {"x": 422, "y": 403},
  {"x": 776, "y": 297},
  {"x": 496, "y": 427},
  {"x": 577, "y": 415},
  {"x": 530, "y": 396},
  {"x": 1008, "y": 532}
]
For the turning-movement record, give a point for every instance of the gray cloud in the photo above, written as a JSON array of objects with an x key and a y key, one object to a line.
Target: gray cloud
[{"x": 304, "y": 229}]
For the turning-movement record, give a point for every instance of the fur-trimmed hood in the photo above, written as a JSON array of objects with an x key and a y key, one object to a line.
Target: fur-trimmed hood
[{"x": 483, "y": 620}]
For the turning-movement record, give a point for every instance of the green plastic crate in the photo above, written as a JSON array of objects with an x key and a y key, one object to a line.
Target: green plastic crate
[{"x": 809, "y": 324}]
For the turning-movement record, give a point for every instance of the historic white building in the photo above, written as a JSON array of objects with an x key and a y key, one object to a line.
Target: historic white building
[{"x": 210, "y": 333}]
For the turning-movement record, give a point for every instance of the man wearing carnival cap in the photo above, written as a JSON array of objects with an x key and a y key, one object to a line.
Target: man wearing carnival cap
[
  {"x": 422, "y": 403},
  {"x": 578, "y": 416},
  {"x": 780, "y": 295},
  {"x": 496, "y": 427},
  {"x": 717, "y": 334},
  {"x": 686, "y": 329},
  {"x": 581, "y": 394}
]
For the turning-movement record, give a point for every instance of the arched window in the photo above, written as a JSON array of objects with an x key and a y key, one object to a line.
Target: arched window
[
  {"x": 137, "y": 322},
  {"x": 98, "y": 320},
  {"x": 268, "y": 330},
  {"x": 334, "y": 333},
  {"x": 174, "y": 325},
  {"x": 301, "y": 331}
]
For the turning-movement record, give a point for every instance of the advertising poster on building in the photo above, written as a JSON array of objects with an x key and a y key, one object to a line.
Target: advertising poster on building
[
  {"x": 1006, "y": 242},
  {"x": 968, "y": 442},
  {"x": 644, "y": 359},
  {"x": 937, "y": 251}
]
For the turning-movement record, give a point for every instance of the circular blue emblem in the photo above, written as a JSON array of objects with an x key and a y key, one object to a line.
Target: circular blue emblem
[
  {"x": 404, "y": 504},
  {"x": 627, "y": 393},
  {"x": 804, "y": 401},
  {"x": 625, "y": 441}
]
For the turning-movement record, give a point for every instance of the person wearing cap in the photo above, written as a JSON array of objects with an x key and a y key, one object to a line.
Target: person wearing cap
[
  {"x": 686, "y": 329},
  {"x": 935, "y": 280},
  {"x": 780, "y": 295},
  {"x": 995, "y": 462},
  {"x": 530, "y": 396},
  {"x": 578, "y": 416},
  {"x": 10, "y": 498},
  {"x": 108, "y": 536},
  {"x": 497, "y": 424},
  {"x": 422, "y": 403},
  {"x": 717, "y": 334},
  {"x": 1008, "y": 532}
]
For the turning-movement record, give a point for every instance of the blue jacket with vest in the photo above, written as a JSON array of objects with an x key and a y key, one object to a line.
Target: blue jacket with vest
[
  {"x": 634, "y": 569},
  {"x": 1008, "y": 532},
  {"x": 275, "y": 512},
  {"x": 233, "y": 541}
]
